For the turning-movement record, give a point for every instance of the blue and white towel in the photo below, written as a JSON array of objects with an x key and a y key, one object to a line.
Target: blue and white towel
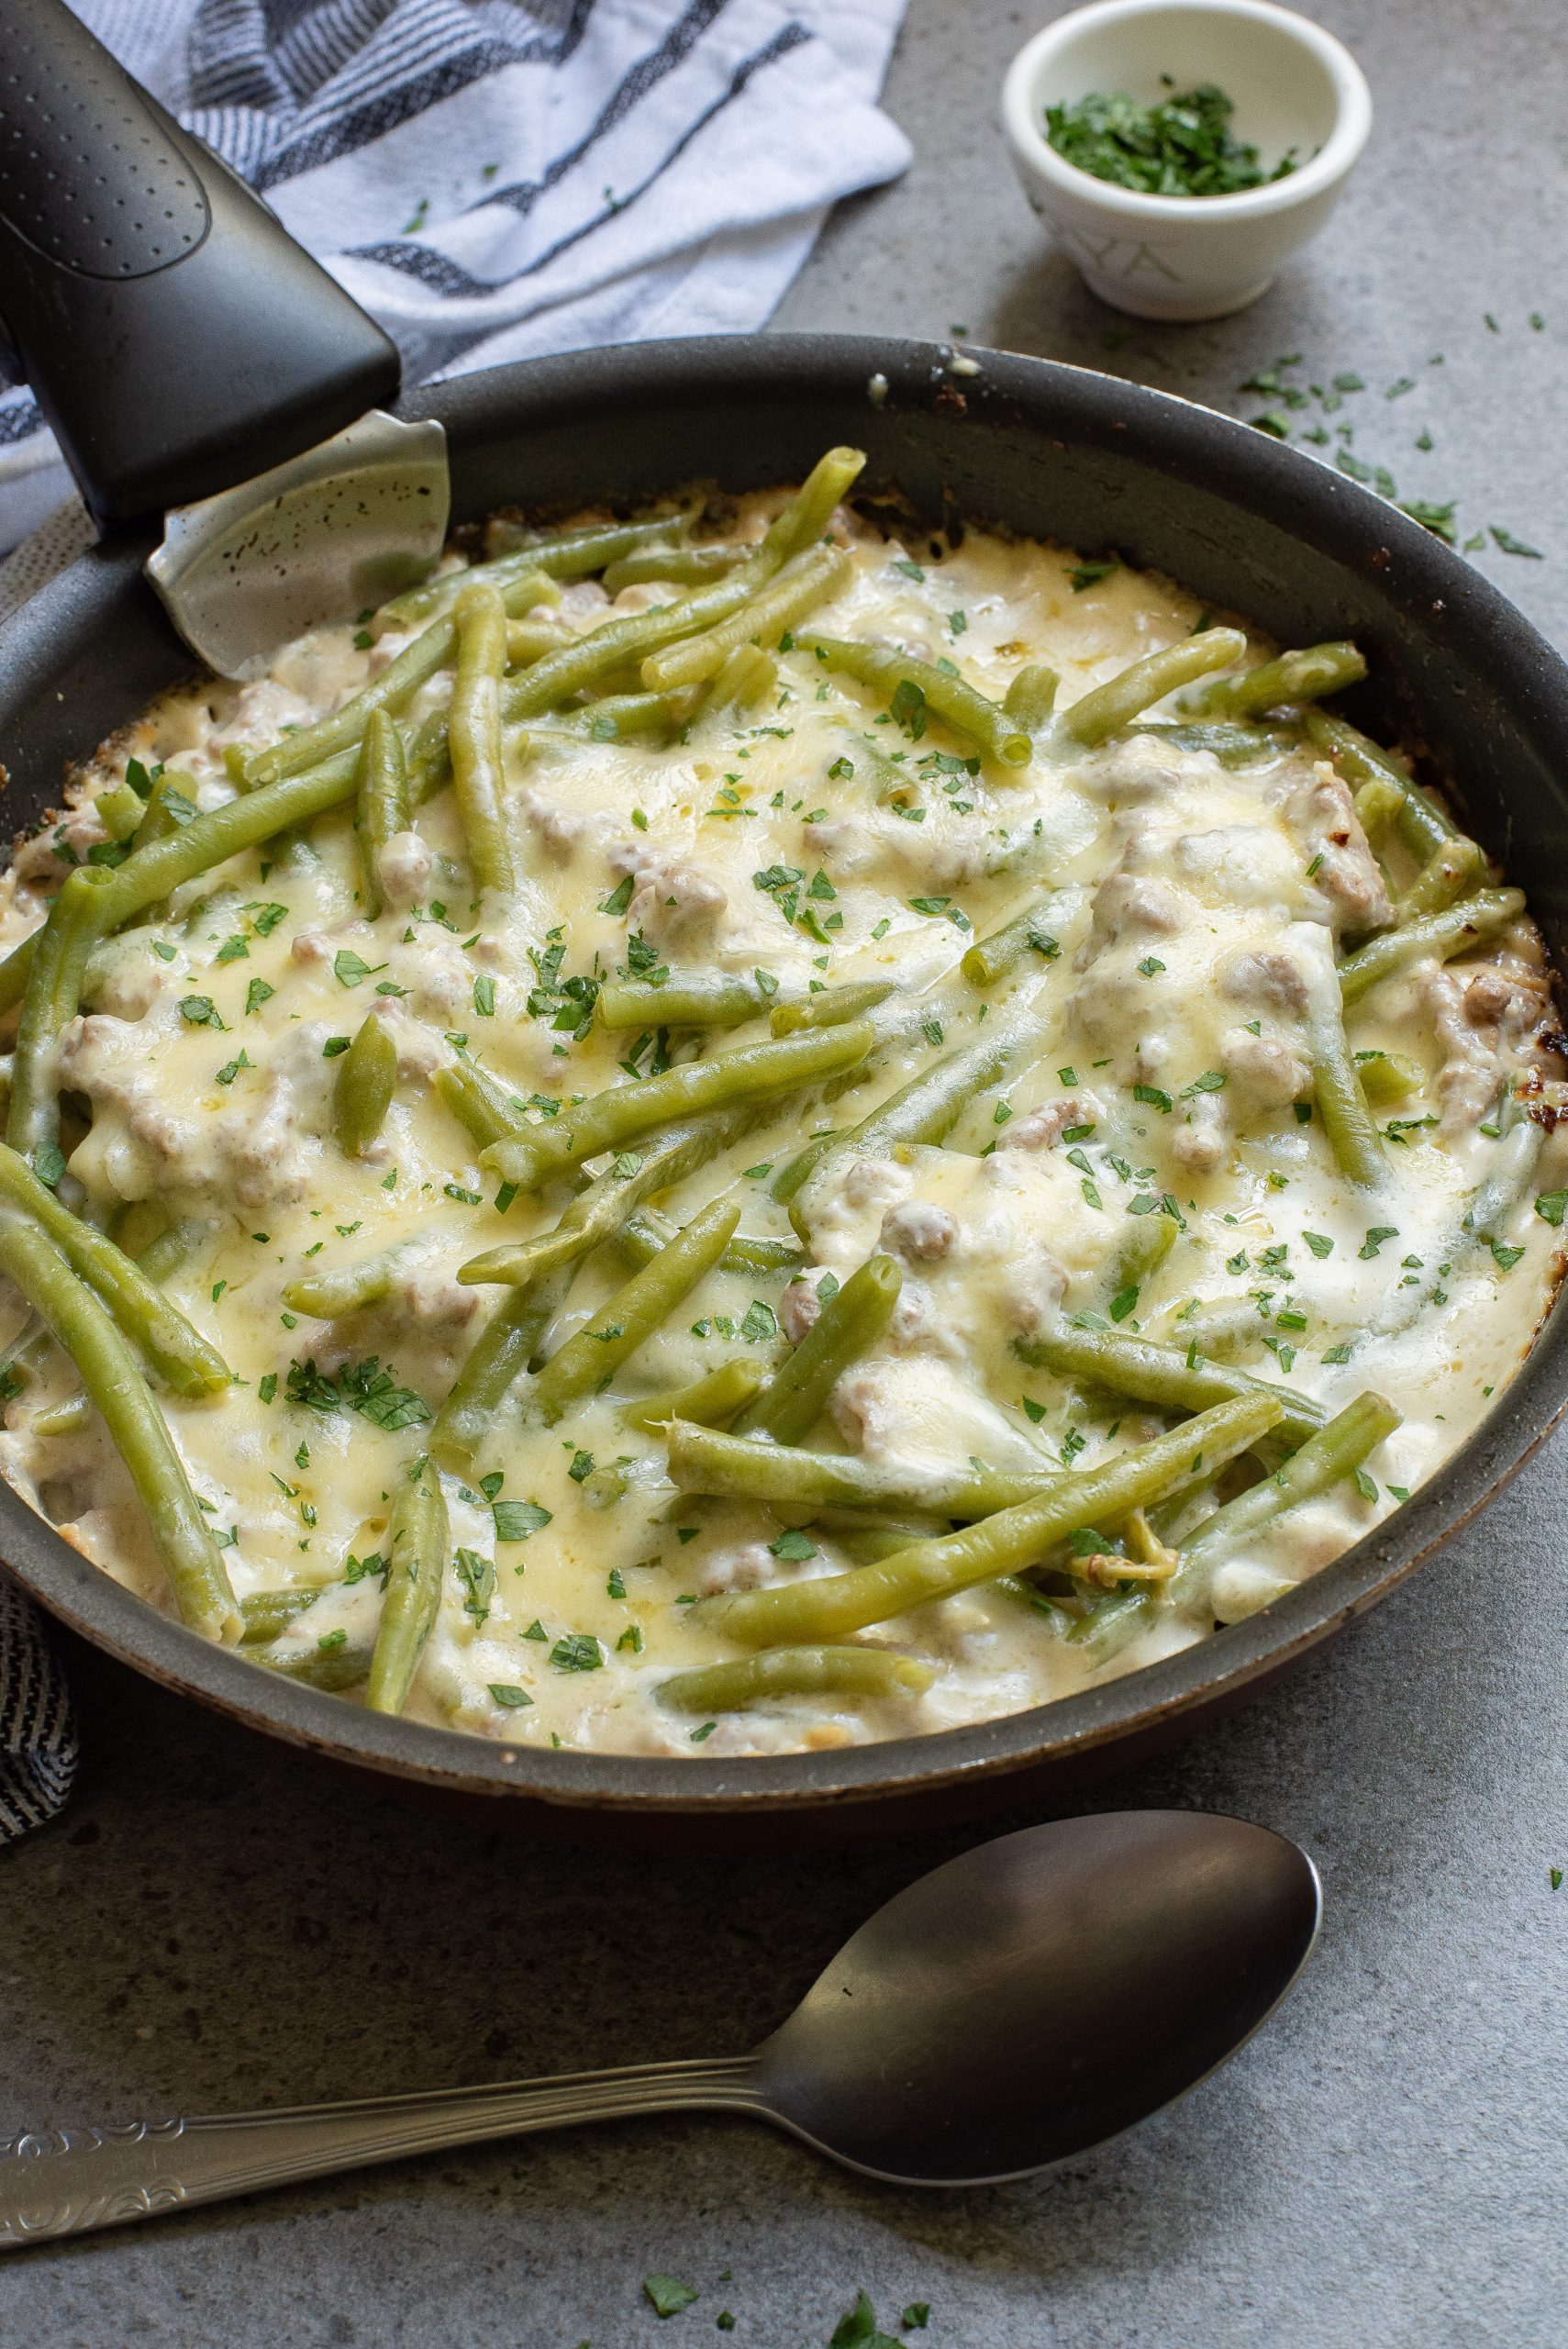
[
  {"x": 38, "y": 1734},
  {"x": 493, "y": 179},
  {"x": 498, "y": 178}
]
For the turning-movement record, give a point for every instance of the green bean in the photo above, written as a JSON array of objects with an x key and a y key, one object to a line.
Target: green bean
[
  {"x": 623, "y": 1113},
  {"x": 1306, "y": 675},
  {"x": 265, "y": 1613},
  {"x": 683, "y": 999},
  {"x": 708, "y": 1402},
  {"x": 393, "y": 688},
  {"x": 571, "y": 555},
  {"x": 615, "y": 644},
  {"x": 1141, "y": 1246},
  {"x": 160, "y": 1258},
  {"x": 1337, "y": 1086},
  {"x": 79, "y": 1323},
  {"x": 474, "y": 737},
  {"x": 619, "y": 718},
  {"x": 336, "y": 1668},
  {"x": 1389, "y": 1076},
  {"x": 1442, "y": 935},
  {"x": 795, "y": 1672},
  {"x": 429, "y": 759},
  {"x": 329, "y": 1296},
  {"x": 1378, "y": 804},
  {"x": 119, "y": 809},
  {"x": 812, "y": 579},
  {"x": 928, "y": 687},
  {"x": 416, "y": 1551},
  {"x": 748, "y": 673},
  {"x": 604, "y": 1210},
  {"x": 1451, "y": 872},
  {"x": 1108, "y": 709},
  {"x": 383, "y": 802},
  {"x": 362, "y": 1091},
  {"x": 1424, "y": 825},
  {"x": 1225, "y": 1326},
  {"x": 179, "y": 1353},
  {"x": 171, "y": 805},
  {"x": 869, "y": 1543},
  {"x": 589, "y": 1360},
  {"x": 1513, "y": 1164},
  {"x": 398, "y": 684},
  {"x": 466, "y": 1421},
  {"x": 848, "y": 1325},
  {"x": 488, "y": 1110},
  {"x": 210, "y": 839},
  {"x": 174, "y": 1247},
  {"x": 990, "y": 959},
  {"x": 642, "y": 1235},
  {"x": 796, "y": 1171},
  {"x": 74, "y": 926},
  {"x": 835, "y": 1605},
  {"x": 1151, "y": 1373},
  {"x": 530, "y": 640},
  {"x": 1242, "y": 745},
  {"x": 928, "y": 1108},
  {"x": 1332, "y": 1453},
  {"x": 70, "y": 1416},
  {"x": 830, "y": 1007},
  {"x": 1111, "y": 1623},
  {"x": 1031, "y": 696},
  {"x": 680, "y": 566},
  {"x": 749, "y": 1468}
]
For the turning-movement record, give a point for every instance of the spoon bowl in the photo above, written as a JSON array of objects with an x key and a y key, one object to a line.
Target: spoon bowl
[
  {"x": 1040, "y": 1994},
  {"x": 1011, "y": 2010}
]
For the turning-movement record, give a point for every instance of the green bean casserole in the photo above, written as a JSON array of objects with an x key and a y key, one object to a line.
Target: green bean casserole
[{"x": 750, "y": 1130}]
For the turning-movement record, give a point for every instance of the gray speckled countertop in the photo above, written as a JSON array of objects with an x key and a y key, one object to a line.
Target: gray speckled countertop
[{"x": 216, "y": 1923}]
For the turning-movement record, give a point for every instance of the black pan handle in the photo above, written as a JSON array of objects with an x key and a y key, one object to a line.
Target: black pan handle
[{"x": 177, "y": 337}]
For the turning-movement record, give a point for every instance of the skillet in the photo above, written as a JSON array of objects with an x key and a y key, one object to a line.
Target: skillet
[{"x": 1051, "y": 452}]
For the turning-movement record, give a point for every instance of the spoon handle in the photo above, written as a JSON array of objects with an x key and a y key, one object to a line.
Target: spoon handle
[{"x": 68, "y": 2181}]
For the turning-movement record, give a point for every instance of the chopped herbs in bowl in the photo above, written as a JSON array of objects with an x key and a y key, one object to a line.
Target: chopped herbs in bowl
[{"x": 1184, "y": 146}]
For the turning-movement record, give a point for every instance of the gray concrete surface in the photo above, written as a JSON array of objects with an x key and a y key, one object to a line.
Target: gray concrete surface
[{"x": 214, "y": 1923}]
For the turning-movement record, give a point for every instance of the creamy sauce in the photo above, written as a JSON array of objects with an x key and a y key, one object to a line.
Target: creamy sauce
[{"x": 1193, "y": 905}]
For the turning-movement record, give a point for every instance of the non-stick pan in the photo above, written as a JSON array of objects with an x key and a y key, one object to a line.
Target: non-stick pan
[{"x": 1048, "y": 451}]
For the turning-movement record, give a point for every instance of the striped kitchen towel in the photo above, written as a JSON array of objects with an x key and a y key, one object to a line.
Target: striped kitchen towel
[
  {"x": 38, "y": 1735},
  {"x": 498, "y": 178}
]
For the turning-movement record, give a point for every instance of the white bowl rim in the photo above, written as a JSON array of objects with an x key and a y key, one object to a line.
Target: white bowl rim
[{"x": 1339, "y": 151}]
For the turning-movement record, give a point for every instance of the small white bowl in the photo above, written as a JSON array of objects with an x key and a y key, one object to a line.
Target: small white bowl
[{"x": 1185, "y": 256}]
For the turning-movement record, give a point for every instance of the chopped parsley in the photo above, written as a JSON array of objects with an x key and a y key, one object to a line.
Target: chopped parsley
[
  {"x": 1184, "y": 146},
  {"x": 793, "y": 1544},
  {"x": 514, "y": 1520},
  {"x": 578, "y": 1652},
  {"x": 363, "y": 1386}
]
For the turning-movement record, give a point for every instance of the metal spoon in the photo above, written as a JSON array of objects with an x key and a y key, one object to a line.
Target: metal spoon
[{"x": 1011, "y": 2010}]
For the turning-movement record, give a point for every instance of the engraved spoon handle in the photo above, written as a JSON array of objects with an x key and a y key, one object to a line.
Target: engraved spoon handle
[{"x": 68, "y": 2181}]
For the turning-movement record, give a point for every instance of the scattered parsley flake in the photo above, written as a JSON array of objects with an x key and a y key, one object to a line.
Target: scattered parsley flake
[
  {"x": 516, "y": 1520},
  {"x": 793, "y": 1544},
  {"x": 578, "y": 1652}
]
